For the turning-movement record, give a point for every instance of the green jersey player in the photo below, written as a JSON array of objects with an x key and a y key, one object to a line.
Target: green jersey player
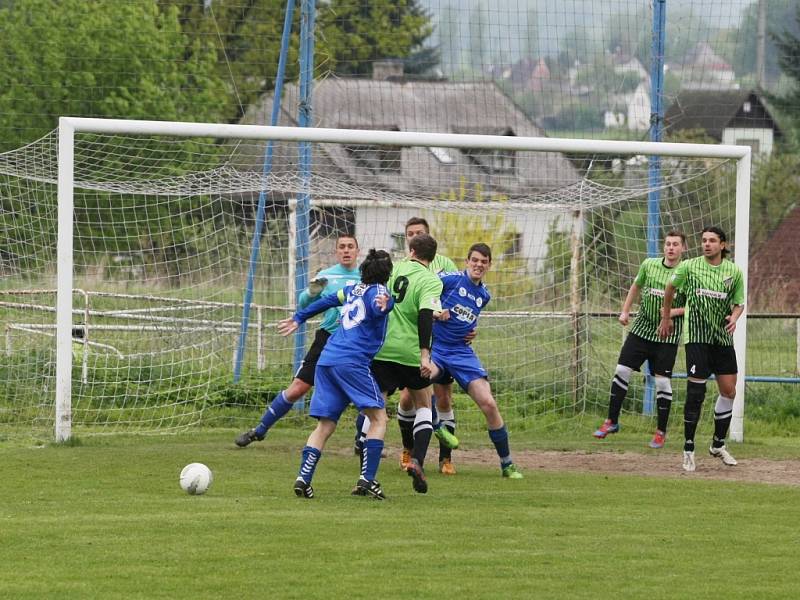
[
  {"x": 714, "y": 289},
  {"x": 643, "y": 342}
]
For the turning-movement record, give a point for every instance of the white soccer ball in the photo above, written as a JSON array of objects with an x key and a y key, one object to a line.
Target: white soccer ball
[{"x": 196, "y": 478}]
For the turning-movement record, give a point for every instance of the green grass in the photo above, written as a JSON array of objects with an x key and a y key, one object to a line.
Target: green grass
[{"x": 105, "y": 518}]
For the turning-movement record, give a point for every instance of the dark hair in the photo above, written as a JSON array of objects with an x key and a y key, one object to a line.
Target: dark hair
[
  {"x": 482, "y": 248},
  {"x": 720, "y": 234},
  {"x": 424, "y": 246},
  {"x": 346, "y": 235},
  {"x": 418, "y": 221},
  {"x": 676, "y": 233},
  {"x": 377, "y": 267}
]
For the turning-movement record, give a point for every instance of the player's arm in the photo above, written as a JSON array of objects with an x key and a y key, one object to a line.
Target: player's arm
[
  {"x": 292, "y": 324},
  {"x": 731, "y": 319},
  {"x": 425, "y": 332},
  {"x": 315, "y": 287},
  {"x": 630, "y": 298},
  {"x": 666, "y": 327}
]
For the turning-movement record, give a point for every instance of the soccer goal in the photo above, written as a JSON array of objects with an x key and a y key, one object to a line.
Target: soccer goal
[{"x": 147, "y": 262}]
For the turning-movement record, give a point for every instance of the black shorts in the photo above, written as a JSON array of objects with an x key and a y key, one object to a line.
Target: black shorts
[
  {"x": 392, "y": 376},
  {"x": 704, "y": 359},
  {"x": 309, "y": 364},
  {"x": 660, "y": 356}
]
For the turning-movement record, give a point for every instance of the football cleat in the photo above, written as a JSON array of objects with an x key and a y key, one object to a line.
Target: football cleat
[
  {"x": 659, "y": 438},
  {"x": 303, "y": 489},
  {"x": 606, "y": 428},
  {"x": 723, "y": 454},
  {"x": 688, "y": 461},
  {"x": 511, "y": 472},
  {"x": 248, "y": 437},
  {"x": 415, "y": 471},
  {"x": 447, "y": 438},
  {"x": 405, "y": 459},
  {"x": 446, "y": 467},
  {"x": 372, "y": 488}
]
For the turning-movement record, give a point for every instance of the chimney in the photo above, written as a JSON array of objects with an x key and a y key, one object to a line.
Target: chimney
[{"x": 387, "y": 69}]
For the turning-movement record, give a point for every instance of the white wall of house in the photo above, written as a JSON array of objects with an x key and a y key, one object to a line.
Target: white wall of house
[
  {"x": 380, "y": 227},
  {"x": 639, "y": 109},
  {"x": 761, "y": 138}
]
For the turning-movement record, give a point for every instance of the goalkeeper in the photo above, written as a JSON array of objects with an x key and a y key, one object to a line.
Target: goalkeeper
[
  {"x": 327, "y": 281},
  {"x": 643, "y": 342}
]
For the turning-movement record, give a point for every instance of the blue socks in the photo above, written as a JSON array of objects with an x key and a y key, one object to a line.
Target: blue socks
[
  {"x": 273, "y": 414},
  {"x": 308, "y": 463},
  {"x": 372, "y": 459},
  {"x": 499, "y": 438}
]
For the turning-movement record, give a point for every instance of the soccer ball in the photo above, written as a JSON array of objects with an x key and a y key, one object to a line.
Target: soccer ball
[{"x": 196, "y": 478}]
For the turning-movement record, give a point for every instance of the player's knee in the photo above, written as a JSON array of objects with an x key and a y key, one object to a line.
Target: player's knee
[
  {"x": 695, "y": 394},
  {"x": 624, "y": 373},
  {"x": 296, "y": 390},
  {"x": 663, "y": 386}
]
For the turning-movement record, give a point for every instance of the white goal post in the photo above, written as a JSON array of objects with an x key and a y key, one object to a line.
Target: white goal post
[{"x": 70, "y": 126}]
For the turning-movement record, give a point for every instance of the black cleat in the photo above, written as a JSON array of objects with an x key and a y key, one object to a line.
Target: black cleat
[
  {"x": 247, "y": 438},
  {"x": 420, "y": 483},
  {"x": 303, "y": 489},
  {"x": 372, "y": 488}
]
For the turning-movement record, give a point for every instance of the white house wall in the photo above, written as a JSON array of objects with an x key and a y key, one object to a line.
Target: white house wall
[{"x": 764, "y": 136}]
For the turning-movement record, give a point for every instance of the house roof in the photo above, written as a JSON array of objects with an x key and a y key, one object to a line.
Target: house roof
[
  {"x": 422, "y": 106},
  {"x": 716, "y": 110},
  {"x": 774, "y": 266}
]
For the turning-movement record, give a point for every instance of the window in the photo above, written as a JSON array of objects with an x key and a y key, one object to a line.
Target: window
[
  {"x": 755, "y": 145},
  {"x": 442, "y": 155},
  {"x": 377, "y": 159},
  {"x": 494, "y": 161},
  {"x": 398, "y": 245},
  {"x": 747, "y": 107}
]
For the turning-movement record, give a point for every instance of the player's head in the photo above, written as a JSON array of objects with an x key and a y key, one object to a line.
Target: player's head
[
  {"x": 347, "y": 250},
  {"x": 714, "y": 242},
  {"x": 416, "y": 226},
  {"x": 479, "y": 261},
  {"x": 423, "y": 247},
  {"x": 674, "y": 245},
  {"x": 377, "y": 267}
]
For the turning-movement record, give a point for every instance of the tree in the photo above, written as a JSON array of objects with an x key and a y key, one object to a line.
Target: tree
[
  {"x": 354, "y": 33},
  {"x": 107, "y": 59},
  {"x": 789, "y": 103}
]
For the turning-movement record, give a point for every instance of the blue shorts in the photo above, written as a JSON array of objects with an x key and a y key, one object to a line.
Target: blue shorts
[
  {"x": 459, "y": 362},
  {"x": 336, "y": 386}
]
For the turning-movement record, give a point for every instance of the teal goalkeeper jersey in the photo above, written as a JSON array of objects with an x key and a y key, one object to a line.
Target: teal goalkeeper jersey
[
  {"x": 442, "y": 264},
  {"x": 414, "y": 287},
  {"x": 652, "y": 280},
  {"x": 338, "y": 277},
  {"x": 711, "y": 292}
]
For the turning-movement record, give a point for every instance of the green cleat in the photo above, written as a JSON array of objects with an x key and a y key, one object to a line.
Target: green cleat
[
  {"x": 511, "y": 472},
  {"x": 447, "y": 438}
]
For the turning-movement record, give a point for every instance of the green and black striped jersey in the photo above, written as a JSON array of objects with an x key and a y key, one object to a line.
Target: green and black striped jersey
[
  {"x": 652, "y": 280},
  {"x": 711, "y": 292}
]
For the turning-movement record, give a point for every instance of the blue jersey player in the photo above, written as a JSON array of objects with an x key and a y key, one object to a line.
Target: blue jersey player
[
  {"x": 463, "y": 298},
  {"x": 328, "y": 281},
  {"x": 343, "y": 372}
]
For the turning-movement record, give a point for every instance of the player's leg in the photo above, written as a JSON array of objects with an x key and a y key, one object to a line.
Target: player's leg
[
  {"x": 283, "y": 401},
  {"x": 697, "y": 369},
  {"x": 443, "y": 400},
  {"x": 662, "y": 360},
  {"x": 373, "y": 447},
  {"x": 406, "y": 414},
  {"x": 631, "y": 357},
  {"x": 481, "y": 392},
  {"x": 724, "y": 366},
  {"x": 327, "y": 404}
]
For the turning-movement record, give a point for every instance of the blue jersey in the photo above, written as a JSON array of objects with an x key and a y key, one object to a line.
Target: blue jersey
[
  {"x": 363, "y": 324},
  {"x": 337, "y": 277},
  {"x": 464, "y": 300}
]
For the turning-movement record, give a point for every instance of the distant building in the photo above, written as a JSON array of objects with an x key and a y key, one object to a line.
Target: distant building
[
  {"x": 730, "y": 117},
  {"x": 703, "y": 69},
  {"x": 773, "y": 269},
  {"x": 417, "y": 172}
]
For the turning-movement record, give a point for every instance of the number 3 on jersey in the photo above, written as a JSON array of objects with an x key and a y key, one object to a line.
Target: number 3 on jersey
[
  {"x": 399, "y": 288},
  {"x": 353, "y": 313}
]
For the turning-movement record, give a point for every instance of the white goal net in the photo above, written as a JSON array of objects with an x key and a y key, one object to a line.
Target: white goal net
[{"x": 123, "y": 275}]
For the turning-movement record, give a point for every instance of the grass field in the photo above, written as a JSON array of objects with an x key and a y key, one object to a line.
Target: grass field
[{"x": 105, "y": 518}]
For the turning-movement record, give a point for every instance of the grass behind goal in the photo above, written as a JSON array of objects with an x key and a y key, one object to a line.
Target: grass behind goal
[{"x": 104, "y": 517}]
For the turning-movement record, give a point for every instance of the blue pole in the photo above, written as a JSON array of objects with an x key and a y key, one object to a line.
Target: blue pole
[
  {"x": 262, "y": 196},
  {"x": 656, "y": 130},
  {"x": 307, "y": 19}
]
